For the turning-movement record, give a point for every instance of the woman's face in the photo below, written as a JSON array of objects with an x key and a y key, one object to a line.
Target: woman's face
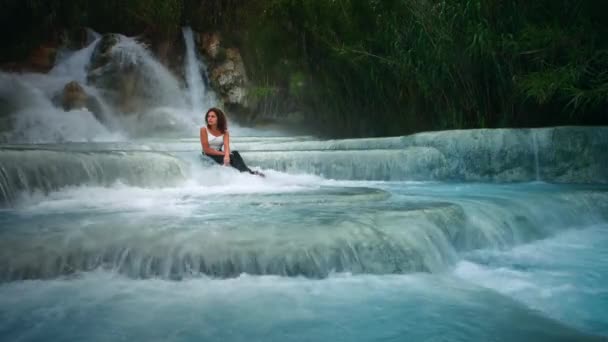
[{"x": 212, "y": 119}]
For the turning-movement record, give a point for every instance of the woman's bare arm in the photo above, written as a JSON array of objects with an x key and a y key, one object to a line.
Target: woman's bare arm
[{"x": 226, "y": 148}]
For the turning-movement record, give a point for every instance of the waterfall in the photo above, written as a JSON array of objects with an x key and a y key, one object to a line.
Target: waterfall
[
  {"x": 129, "y": 93},
  {"x": 92, "y": 35},
  {"x": 570, "y": 155},
  {"x": 158, "y": 86},
  {"x": 535, "y": 149},
  {"x": 74, "y": 67},
  {"x": 200, "y": 97},
  {"x": 193, "y": 76},
  {"x": 36, "y": 118},
  {"x": 437, "y": 219},
  {"x": 30, "y": 170}
]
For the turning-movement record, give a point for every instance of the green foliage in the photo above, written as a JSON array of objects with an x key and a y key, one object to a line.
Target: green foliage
[
  {"x": 135, "y": 16},
  {"x": 26, "y": 24},
  {"x": 297, "y": 82},
  {"x": 260, "y": 92},
  {"x": 398, "y": 66}
]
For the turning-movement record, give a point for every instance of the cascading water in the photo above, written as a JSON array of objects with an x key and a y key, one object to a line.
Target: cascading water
[
  {"x": 536, "y": 162},
  {"x": 35, "y": 118},
  {"x": 434, "y": 236},
  {"x": 157, "y": 104},
  {"x": 75, "y": 66},
  {"x": 200, "y": 97},
  {"x": 156, "y": 84}
]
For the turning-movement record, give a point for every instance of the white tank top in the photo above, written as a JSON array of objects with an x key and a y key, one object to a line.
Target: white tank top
[{"x": 215, "y": 143}]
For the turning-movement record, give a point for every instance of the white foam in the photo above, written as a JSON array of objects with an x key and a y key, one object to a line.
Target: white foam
[
  {"x": 504, "y": 280},
  {"x": 75, "y": 66},
  {"x": 37, "y": 120},
  {"x": 101, "y": 306},
  {"x": 182, "y": 200},
  {"x": 247, "y": 287},
  {"x": 51, "y": 125},
  {"x": 563, "y": 276}
]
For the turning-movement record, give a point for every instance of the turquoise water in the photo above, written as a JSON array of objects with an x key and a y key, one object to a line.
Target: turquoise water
[
  {"x": 113, "y": 227},
  {"x": 183, "y": 250}
]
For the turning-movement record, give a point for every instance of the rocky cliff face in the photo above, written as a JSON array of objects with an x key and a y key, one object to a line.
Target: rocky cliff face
[{"x": 227, "y": 73}]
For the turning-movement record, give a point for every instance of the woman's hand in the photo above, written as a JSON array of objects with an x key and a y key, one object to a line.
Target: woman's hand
[{"x": 227, "y": 159}]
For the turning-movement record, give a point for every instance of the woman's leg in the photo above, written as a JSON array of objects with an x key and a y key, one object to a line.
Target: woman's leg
[
  {"x": 217, "y": 159},
  {"x": 236, "y": 161}
]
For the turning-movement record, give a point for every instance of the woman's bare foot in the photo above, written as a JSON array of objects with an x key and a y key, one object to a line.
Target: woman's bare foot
[{"x": 259, "y": 174}]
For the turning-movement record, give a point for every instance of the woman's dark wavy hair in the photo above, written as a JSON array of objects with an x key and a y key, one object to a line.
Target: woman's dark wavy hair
[{"x": 221, "y": 119}]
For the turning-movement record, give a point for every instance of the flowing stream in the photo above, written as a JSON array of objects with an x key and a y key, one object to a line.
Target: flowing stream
[{"x": 106, "y": 234}]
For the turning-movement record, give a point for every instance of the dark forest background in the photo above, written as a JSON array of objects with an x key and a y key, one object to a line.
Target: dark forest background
[{"x": 375, "y": 67}]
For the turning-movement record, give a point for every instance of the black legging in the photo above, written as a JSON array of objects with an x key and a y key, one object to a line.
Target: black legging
[{"x": 236, "y": 161}]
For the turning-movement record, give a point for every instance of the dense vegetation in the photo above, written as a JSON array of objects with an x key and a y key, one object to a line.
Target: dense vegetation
[{"x": 386, "y": 67}]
